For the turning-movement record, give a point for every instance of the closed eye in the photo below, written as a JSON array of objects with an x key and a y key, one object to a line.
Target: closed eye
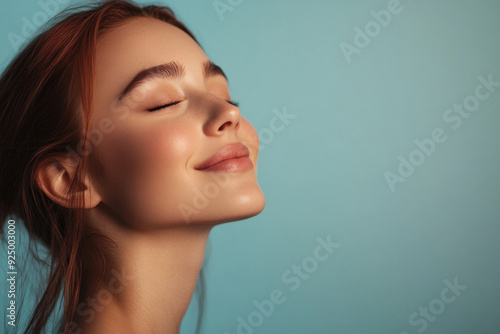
[
  {"x": 234, "y": 103},
  {"x": 164, "y": 106}
]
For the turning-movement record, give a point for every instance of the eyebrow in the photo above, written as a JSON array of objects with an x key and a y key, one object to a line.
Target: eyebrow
[
  {"x": 211, "y": 70},
  {"x": 169, "y": 70}
]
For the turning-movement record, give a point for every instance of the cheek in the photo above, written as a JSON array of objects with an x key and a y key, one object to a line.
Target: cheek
[
  {"x": 143, "y": 168},
  {"x": 137, "y": 151}
]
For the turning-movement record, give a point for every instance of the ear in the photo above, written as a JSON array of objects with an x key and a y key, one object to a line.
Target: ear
[{"x": 54, "y": 179}]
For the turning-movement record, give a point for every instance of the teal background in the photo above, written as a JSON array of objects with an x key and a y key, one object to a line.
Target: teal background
[{"x": 323, "y": 172}]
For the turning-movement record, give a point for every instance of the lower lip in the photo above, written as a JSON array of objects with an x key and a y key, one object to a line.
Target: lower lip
[{"x": 231, "y": 165}]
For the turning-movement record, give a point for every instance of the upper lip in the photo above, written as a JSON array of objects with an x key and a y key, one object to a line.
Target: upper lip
[{"x": 232, "y": 151}]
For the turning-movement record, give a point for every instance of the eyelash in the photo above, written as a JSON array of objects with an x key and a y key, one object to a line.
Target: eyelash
[
  {"x": 164, "y": 106},
  {"x": 234, "y": 103}
]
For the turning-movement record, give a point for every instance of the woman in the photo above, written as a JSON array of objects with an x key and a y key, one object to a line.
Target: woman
[{"x": 120, "y": 150}]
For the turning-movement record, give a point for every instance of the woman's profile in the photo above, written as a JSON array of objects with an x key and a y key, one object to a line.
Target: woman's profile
[{"x": 120, "y": 149}]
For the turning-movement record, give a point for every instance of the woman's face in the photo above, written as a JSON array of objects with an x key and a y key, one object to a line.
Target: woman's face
[{"x": 193, "y": 160}]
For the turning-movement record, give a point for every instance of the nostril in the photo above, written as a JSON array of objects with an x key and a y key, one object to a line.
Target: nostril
[{"x": 223, "y": 126}]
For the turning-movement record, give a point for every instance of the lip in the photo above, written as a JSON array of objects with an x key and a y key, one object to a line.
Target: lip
[{"x": 231, "y": 158}]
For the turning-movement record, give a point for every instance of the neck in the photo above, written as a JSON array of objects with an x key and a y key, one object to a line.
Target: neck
[{"x": 148, "y": 283}]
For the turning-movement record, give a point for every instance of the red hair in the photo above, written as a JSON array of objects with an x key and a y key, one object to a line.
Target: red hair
[{"x": 46, "y": 95}]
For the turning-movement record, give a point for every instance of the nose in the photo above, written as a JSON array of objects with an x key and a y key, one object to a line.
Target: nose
[{"x": 223, "y": 117}]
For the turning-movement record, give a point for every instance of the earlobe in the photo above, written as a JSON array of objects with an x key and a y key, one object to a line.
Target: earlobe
[{"x": 54, "y": 179}]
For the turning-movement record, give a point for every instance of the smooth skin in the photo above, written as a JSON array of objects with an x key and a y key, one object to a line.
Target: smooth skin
[{"x": 144, "y": 190}]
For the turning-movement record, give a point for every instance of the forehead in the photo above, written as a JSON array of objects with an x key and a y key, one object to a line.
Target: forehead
[{"x": 141, "y": 43}]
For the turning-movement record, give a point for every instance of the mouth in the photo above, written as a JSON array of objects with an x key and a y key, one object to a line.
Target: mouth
[{"x": 231, "y": 158}]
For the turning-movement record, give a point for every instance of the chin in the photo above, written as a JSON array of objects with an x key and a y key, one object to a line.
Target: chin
[
  {"x": 238, "y": 207},
  {"x": 252, "y": 208}
]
